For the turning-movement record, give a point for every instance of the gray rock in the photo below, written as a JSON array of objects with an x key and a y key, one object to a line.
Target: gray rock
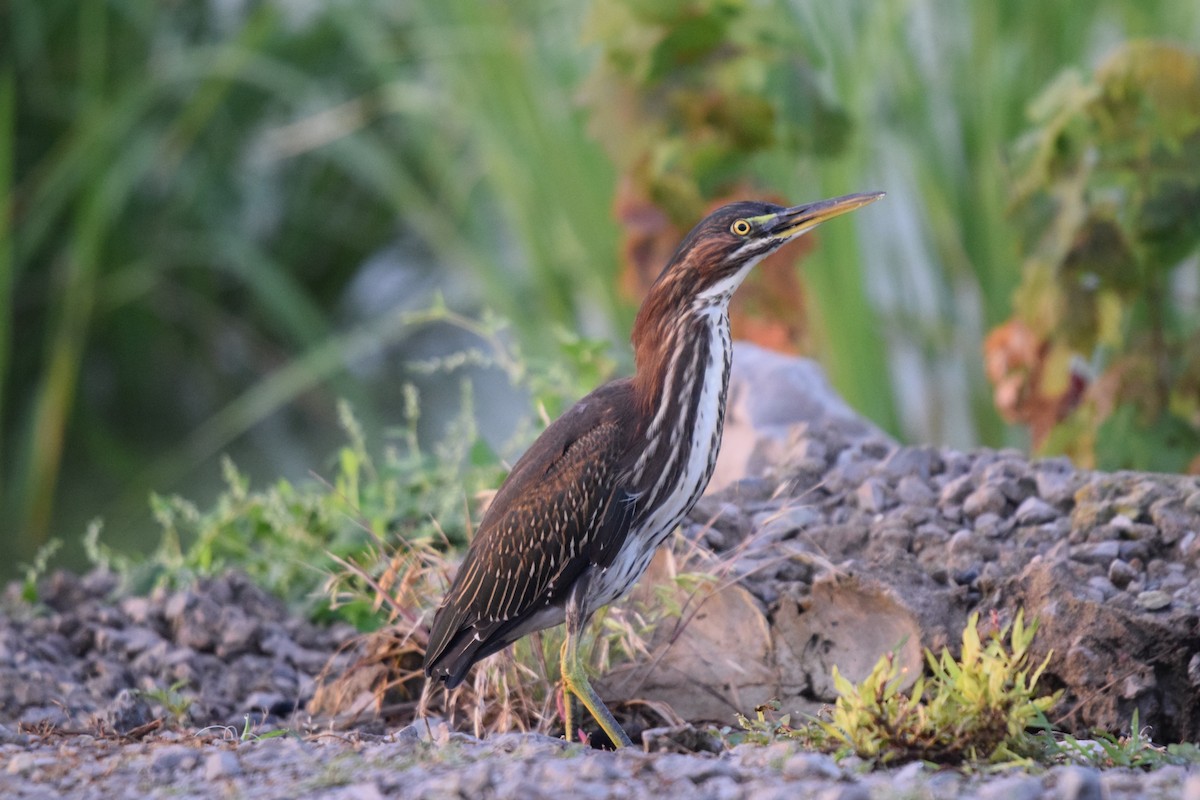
[
  {"x": 697, "y": 769},
  {"x": 9, "y": 736},
  {"x": 1191, "y": 787},
  {"x": 915, "y": 462},
  {"x": 930, "y": 537},
  {"x": 126, "y": 712},
  {"x": 992, "y": 526},
  {"x": 1011, "y": 787},
  {"x": 409, "y": 733},
  {"x": 873, "y": 496},
  {"x": 1154, "y": 600},
  {"x": 1035, "y": 511},
  {"x": 365, "y": 790},
  {"x": 239, "y": 634},
  {"x": 914, "y": 491},
  {"x": 20, "y": 763},
  {"x": 1120, "y": 573},
  {"x": 961, "y": 542},
  {"x": 987, "y": 498},
  {"x": 1101, "y": 553},
  {"x": 1079, "y": 783},
  {"x": 1056, "y": 481},
  {"x": 1101, "y": 587},
  {"x": 810, "y": 765},
  {"x": 173, "y": 758},
  {"x": 1172, "y": 520},
  {"x": 853, "y": 791},
  {"x": 956, "y": 490},
  {"x": 782, "y": 522},
  {"x": 1134, "y": 550},
  {"x": 221, "y": 764}
]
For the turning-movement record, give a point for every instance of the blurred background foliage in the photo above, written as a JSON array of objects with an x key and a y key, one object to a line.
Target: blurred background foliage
[{"x": 217, "y": 218}]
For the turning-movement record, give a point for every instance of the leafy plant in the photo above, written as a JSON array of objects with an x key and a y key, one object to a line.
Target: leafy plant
[
  {"x": 769, "y": 726},
  {"x": 1105, "y": 750},
  {"x": 174, "y": 701},
  {"x": 284, "y": 536},
  {"x": 37, "y": 569},
  {"x": 976, "y": 708},
  {"x": 1102, "y": 356}
]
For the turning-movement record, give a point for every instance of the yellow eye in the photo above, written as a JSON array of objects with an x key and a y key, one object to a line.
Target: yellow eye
[{"x": 740, "y": 227}]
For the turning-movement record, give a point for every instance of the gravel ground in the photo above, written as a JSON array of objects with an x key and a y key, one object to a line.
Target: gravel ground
[
  {"x": 965, "y": 530},
  {"x": 410, "y": 764}
]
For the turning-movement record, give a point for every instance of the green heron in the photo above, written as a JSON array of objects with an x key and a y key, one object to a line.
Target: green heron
[{"x": 584, "y": 509}]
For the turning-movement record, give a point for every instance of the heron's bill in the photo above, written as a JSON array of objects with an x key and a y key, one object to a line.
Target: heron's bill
[{"x": 798, "y": 219}]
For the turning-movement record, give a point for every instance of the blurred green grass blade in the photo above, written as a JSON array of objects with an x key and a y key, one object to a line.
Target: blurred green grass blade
[
  {"x": 229, "y": 62},
  {"x": 8, "y": 135},
  {"x": 550, "y": 181},
  {"x": 53, "y": 185},
  {"x": 289, "y": 308},
  {"x": 853, "y": 347},
  {"x": 305, "y": 373},
  {"x": 67, "y": 337}
]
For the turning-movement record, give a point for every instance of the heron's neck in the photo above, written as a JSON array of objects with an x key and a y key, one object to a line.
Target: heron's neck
[{"x": 675, "y": 328}]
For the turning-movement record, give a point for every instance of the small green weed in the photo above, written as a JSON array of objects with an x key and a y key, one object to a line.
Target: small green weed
[
  {"x": 1105, "y": 750},
  {"x": 977, "y": 708},
  {"x": 37, "y": 569},
  {"x": 176, "y": 703}
]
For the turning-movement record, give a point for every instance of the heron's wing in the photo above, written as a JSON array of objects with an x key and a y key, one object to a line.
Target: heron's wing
[{"x": 537, "y": 536}]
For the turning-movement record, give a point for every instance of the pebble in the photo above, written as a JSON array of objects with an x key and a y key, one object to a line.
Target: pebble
[
  {"x": 357, "y": 791},
  {"x": 956, "y": 491},
  {"x": 1154, "y": 600},
  {"x": 773, "y": 525},
  {"x": 810, "y": 765},
  {"x": 1011, "y": 787},
  {"x": 1120, "y": 573},
  {"x": 1057, "y": 487},
  {"x": 1079, "y": 783},
  {"x": 174, "y": 757},
  {"x": 1035, "y": 511},
  {"x": 221, "y": 764},
  {"x": 855, "y": 791},
  {"x": 913, "y": 491},
  {"x": 20, "y": 763},
  {"x": 1191, "y": 787},
  {"x": 987, "y": 498},
  {"x": 1102, "y": 587},
  {"x": 9, "y": 736},
  {"x": 873, "y": 496},
  {"x": 916, "y": 462},
  {"x": 1101, "y": 553}
]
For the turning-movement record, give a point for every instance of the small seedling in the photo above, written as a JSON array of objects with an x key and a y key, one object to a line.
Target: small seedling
[
  {"x": 173, "y": 700},
  {"x": 1104, "y": 750},
  {"x": 35, "y": 571}
]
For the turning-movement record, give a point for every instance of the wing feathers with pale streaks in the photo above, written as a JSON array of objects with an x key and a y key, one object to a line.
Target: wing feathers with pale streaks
[{"x": 537, "y": 535}]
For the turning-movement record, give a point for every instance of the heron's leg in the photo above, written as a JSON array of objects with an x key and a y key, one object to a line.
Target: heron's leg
[
  {"x": 575, "y": 677},
  {"x": 568, "y": 701}
]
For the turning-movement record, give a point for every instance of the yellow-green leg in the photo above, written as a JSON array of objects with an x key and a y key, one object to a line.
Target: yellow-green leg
[{"x": 575, "y": 678}]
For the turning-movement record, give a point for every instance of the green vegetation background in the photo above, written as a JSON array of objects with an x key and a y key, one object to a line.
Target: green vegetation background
[{"x": 189, "y": 194}]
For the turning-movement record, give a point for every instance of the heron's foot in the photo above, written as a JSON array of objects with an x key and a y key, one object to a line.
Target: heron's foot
[{"x": 578, "y": 685}]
